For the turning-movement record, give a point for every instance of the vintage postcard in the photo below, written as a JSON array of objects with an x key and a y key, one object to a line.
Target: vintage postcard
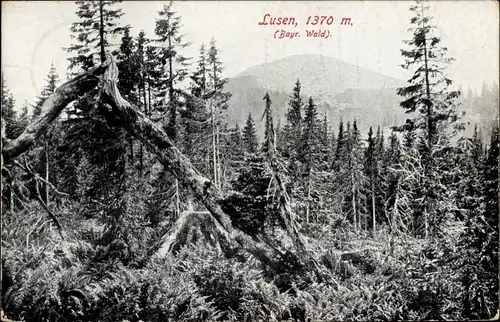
[{"x": 249, "y": 160}]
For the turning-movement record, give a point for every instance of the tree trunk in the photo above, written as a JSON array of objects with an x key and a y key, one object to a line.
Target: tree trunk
[
  {"x": 373, "y": 207},
  {"x": 219, "y": 177},
  {"x": 46, "y": 147},
  {"x": 101, "y": 31},
  {"x": 11, "y": 189},
  {"x": 177, "y": 199},
  {"x": 197, "y": 225},
  {"x": 308, "y": 196},
  {"x": 427, "y": 87},
  {"x": 149, "y": 98},
  {"x": 353, "y": 188},
  {"x": 214, "y": 150},
  {"x": 426, "y": 223}
]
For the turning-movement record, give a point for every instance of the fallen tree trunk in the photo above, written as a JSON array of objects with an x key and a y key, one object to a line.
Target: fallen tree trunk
[
  {"x": 157, "y": 141},
  {"x": 194, "y": 226}
]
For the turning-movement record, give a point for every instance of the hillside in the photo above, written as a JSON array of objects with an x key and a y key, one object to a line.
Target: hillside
[{"x": 341, "y": 90}]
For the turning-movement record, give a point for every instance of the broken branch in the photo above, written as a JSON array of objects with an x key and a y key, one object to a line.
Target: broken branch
[{"x": 50, "y": 110}]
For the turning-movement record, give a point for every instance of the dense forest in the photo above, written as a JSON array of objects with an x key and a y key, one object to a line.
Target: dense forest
[{"x": 126, "y": 194}]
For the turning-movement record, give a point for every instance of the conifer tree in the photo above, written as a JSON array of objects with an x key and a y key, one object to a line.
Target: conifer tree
[
  {"x": 433, "y": 105},
  {"x": 9, "y": 114},
  {"x": 92, "y": 33},
  {"x": 372, "y": 173},
  {"x": 174, "y": 63},
  {"x": 355, "y": 175},
  {"x": 250, "y": 142},
  {"x": 24, "y": 117},
  {"x": 309, "y": 151},
  {"x": 236, "y": 145},
  {"x": 169, "y": 67},
  {"x": 381, "y": 181},
  {"x": 95, "y": 145},
  {"x": 340, "y": 148},
  {"x": 280, "y": 137},
  {"x": 470, "y": 160},
  {"x": 137, "y": 64},
  {"x": 49, "y": 88},
  {"x": 478, "y": 253},
  {"x": 255, "y": 174},
  {"x": 48, "y": 141},
  {"x": 379, "y": 144},
  {"x": 427, "y": 92},
  {"x": 324, "y": 145},
  {"x": 391, "y": 160},
  {"x": 196, "y": 119},
  {"x": 293, "y": 129},
  {"x": 9, "y": 126},
  {"x": 218, "y": 105},
  {"x": 294, "y": 114},
  {"x": 128, "y": 67}
]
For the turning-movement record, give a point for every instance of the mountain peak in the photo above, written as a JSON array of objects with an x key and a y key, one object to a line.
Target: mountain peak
[{"x": 321, "y": 76}]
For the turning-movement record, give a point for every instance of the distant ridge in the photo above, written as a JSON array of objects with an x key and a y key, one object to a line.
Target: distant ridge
[{"x": 340, "y": 89}]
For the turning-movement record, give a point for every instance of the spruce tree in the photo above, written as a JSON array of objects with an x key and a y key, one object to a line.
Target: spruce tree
[
  {"x": 379, "y": 143},
  {"x": 372, "y": 173},
  {"x": 93, "y": 143},
  {"x": 48, "y": 141},
  {"x": 196, "y": 126},
  {"x": 255, "y": 174},
  {"x": 250, "y": 142},
  {"x": 477, "y": 261},
  {"x": 9, "y": 115},
  {"x": 268, "y": 127},
  {"x": 92, "y": 33},
  {"x": 432, "y": 104},
  {"x": 49, "y": 88},
  {"x": 340, "y": 148},
  {"x": 356, "y": 178},
  {"x": 143, "y": 75},
  {"x": 218, "y": 104},
  {"x": 236, "y": 144},
  {"x": 128, "y": 68},
  {"x": 381, "y": 180},
  {"x": 490, "y": 226},
  {"x": 470, "y": 160},
  {"x": 427, "y": 92},
  {"x": 173, "y": 62},
  {"x": 169, "y": 67},
  {"x": 200, "y": 74},
  {"x": 293, "y": 130},
  {"x": 309, "y": 151},
  {"x": 391, "y": 161}
]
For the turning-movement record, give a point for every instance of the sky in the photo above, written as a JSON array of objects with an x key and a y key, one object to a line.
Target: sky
[{"x": 34, "y": 33}]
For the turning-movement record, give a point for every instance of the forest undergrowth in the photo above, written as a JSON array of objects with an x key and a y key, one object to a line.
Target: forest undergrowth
[{"x": 74, "y": 279}]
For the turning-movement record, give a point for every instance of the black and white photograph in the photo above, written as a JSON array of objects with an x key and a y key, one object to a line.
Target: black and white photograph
[{"x": 249, "y": 160}]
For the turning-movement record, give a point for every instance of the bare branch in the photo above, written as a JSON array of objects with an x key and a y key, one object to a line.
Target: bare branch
[
  {"x": 49, "y": 212},
  {"x": 37, "y": 177}
]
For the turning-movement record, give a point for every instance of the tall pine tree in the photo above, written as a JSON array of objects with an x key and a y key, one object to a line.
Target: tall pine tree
[
  {"x": 428, "y": 97},
  {"x": 174, "y": 63},
  {"x": 250, "y": 142}
]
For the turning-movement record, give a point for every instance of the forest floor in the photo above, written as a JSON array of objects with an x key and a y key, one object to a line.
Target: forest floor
[{"x": 377, "y": 277}]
